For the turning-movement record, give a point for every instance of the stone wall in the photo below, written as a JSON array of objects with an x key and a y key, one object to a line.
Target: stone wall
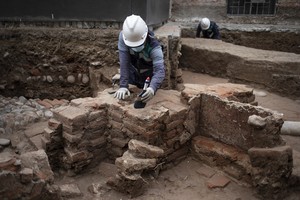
[
  {"x": 277, "y": 71},
  {"x": 218, "y": 124},
  {"x": 224, "y": 132}
]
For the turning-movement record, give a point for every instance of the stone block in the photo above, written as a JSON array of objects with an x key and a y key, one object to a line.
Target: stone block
[
  {"x": 143, "y": 150},
  {"x": 71, "y": 116},
  {"x": 7, "y": 162},
  {"x": 130, "y": 164},
  {"x": 70, "y": 191},
  {"x": 38, "y": 161},
  {"x": 26, "y": 175}
]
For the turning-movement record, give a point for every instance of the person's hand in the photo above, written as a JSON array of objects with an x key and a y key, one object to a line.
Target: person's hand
[
  {"x": 121, "y": 93},
  {"x": 149, "y": 93}
]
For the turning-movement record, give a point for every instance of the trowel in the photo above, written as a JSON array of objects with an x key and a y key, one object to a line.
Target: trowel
[{"x": 138, "y": 102}]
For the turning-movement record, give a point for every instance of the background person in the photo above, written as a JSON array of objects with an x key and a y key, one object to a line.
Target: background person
[{"x": 209, "y": 29}]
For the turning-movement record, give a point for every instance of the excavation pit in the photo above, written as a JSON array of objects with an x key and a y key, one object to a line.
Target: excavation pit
[{"x": 218, "y": 125}]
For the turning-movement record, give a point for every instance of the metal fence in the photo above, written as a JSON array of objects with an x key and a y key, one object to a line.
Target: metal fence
[{"x": 251, "y": 7}]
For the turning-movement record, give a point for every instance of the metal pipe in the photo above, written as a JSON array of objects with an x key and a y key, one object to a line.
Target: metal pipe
[{"x": 291, "y": 128}]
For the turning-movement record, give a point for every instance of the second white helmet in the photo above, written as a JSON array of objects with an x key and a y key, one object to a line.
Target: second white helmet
[
  {"x": 135, "y": 31},
  {"x": 205, "y": 23}
]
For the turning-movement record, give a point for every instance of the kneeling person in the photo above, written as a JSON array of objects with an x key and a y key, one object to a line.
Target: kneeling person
[{"x": 140, "y": 56}]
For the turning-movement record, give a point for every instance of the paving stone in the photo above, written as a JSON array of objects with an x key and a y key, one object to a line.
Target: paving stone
[
  {"x": 205, "y": 171},
  {"x": 35, "y": 129},
  {"x": 217, "y": 181},
  {"x": 36, "y": 141}
]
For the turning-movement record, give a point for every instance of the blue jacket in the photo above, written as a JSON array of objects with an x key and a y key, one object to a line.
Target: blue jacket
[{"x": 212, "y": 32}]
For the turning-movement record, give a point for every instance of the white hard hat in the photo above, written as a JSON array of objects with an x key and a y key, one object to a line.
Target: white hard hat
[
  {"x": 135, "y": 31},
  {"x": 205, "y": 23}
]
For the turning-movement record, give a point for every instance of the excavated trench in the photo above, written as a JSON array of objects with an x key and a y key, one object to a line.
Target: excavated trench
[{"x": 215, "y": 123}]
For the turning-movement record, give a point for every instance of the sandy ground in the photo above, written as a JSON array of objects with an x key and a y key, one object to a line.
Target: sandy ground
[{"x": 184, "y": 182}]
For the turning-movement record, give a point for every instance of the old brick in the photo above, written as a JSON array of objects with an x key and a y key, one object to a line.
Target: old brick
[
  {"x": 142, "y": 150},
  {"x": 170, "y": 134},
  {"x": 72, "y": 138},
  {"x": 26, "y": 175},
  {"x": 76, "y": 156},
  {"x": 54, "y": 124},
  {"x": 116, "y": 125},
  {"x": 100, "y": 123},
  {"x": 218, "y": 180},
  {"x": 207, "y": 146},
  {"x": 45, "y": 104},
  {"x": 45, "y": 143},
  {"x": 120, "y": 142},
  {"x": 133, "y": 127},
  {"x": 99, "y": 142},
  {"x": 95, "y": 115},
  {"x": 73, "y": 129},
  {"x": 178, "y": 153},
  {"x": 172, "y": 125},
  {"x": 71, "y": 116},
  {"x": 50, "y": 133}
]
